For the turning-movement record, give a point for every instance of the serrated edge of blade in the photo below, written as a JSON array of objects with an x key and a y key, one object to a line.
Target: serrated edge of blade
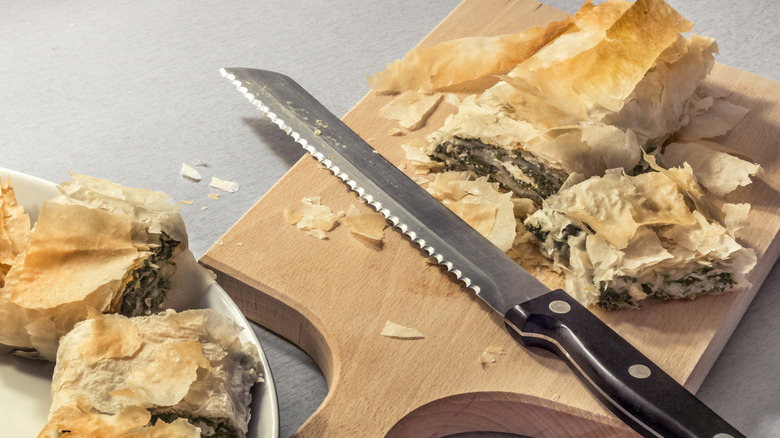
[{"x": 351, "y": 183}]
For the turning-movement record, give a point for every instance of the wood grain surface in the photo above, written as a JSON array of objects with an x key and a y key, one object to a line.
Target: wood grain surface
[{"x": 332, "y": 297}]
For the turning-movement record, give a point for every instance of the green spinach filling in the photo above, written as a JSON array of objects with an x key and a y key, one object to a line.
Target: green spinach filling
[
  {"x": 209, "y": 427},
  {"x": 514, "y": 170},
  {"x": 556, "y": 239},
  {"x": 707, "y": 280},
  {"x": 146, "y": 291}
]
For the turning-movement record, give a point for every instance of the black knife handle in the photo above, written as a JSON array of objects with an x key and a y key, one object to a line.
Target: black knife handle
[{"x": 627, "y": 382}]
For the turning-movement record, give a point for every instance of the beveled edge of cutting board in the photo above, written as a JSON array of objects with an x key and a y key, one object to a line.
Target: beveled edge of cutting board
[
  {"x": 507, "y": 413},
  {"x": 272, "y": 311}
]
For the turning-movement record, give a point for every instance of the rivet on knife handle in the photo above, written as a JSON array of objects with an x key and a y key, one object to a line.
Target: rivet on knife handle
[{"x": 629, "y": 384}]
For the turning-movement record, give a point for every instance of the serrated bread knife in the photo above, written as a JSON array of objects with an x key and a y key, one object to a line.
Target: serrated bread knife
[{"x": 627, "y": 382}]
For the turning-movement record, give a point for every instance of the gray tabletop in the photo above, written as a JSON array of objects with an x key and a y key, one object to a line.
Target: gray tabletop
[{"x": 129, "y": 90}]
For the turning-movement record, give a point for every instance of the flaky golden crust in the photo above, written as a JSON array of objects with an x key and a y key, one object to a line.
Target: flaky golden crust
[
  {"x": 620, "y": 92},
  {"x": 190, "y": 363},
  {"x": 88, "y": 248},
  {"x": 80, "y": 420},
  {"x": 77, "y": 249},
  {"x": 14, "y": 228},
  {"x": 77, "y": 258},
  {"x": 152, "y": 212},
  {"x": 461, "y": 60}
]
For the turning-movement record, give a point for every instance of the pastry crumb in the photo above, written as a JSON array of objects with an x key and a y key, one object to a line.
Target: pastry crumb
[{"x": 393, "y": 330}]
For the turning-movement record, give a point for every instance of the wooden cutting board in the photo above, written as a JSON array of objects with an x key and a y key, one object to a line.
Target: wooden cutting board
[{"x": 332, "y": 297}]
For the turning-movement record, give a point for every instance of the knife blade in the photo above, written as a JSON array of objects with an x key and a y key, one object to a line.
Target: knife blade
[{"x": 630, "y": 385}]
